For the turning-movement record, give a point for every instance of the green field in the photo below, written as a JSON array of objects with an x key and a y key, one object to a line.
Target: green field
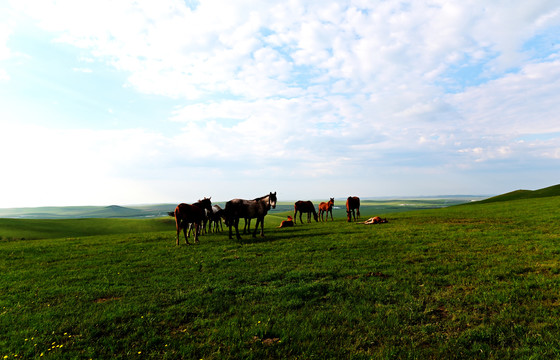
[{"x": 471, "y": 281}]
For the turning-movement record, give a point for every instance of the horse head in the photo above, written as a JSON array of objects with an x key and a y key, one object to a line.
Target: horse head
[
  {"x": 206, "y": 204},
  {"x": 272, "y": 200}
]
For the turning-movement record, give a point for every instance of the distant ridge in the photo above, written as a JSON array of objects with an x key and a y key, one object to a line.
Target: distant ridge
[
  {"x": 78, "y": 212},
  {"x": 523, "y": 194}
]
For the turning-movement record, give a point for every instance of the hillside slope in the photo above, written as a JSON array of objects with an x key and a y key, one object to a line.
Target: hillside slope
[{"x": 523, "y": 194}]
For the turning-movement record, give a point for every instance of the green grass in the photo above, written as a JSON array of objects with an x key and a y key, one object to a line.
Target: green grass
[
  {"x": 478, "y": 281},
  {"x": 525, "y": 194},
  {"x": 19, "y": 229}
]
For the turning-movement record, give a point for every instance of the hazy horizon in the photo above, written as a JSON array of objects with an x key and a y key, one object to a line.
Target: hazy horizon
[{"x": 316, "y": 201}]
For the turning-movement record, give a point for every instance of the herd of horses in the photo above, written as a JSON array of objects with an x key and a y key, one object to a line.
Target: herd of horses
[{"x": 196, "y": 216}]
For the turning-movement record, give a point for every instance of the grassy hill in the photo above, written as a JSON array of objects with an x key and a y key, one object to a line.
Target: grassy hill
[
  {"x": 525, "y": 194},
  {"x": 477, "y": 282}
]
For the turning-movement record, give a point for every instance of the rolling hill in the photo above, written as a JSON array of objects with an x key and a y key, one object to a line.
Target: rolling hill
[
  {"x": 523, "y": 194},
  {"x": 78, "y": 212}
]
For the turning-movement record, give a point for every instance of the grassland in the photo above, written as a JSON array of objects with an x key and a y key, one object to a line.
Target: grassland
[{"x": 473, "y": 281}]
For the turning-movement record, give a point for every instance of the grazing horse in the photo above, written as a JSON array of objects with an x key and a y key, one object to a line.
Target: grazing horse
[
  {"x": 215, "y": 219},
  {"x": 304, "y": 207},
  {"x": 191, "y": 214},
  {"x": 287, "y": 223},
  {"x": 326, "y": 207},
  {"x": 249, "y": 209},
  {"x": 353, "y": 202}
]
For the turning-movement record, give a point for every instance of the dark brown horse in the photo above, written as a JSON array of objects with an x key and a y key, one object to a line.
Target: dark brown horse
[
  {"x": 186, "y": 214},
  {"x": 248, "y": 209},
  {"x": 304, "y": 207},
  {"x": 326, "y": 207},
  {"x": 352, "y": 203}
]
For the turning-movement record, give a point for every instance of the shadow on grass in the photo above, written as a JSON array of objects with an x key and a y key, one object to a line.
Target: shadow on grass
[{"x": 278, "y": 234}]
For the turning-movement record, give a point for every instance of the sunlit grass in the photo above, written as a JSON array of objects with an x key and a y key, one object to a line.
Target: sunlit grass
[{"x": 477, "y": 281}]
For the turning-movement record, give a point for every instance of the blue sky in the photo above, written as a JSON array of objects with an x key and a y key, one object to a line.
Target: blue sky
[{"x": 135, "y": 102}]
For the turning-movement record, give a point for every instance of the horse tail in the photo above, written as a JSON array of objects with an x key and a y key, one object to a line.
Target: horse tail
[{"x": 177, "y": 215}]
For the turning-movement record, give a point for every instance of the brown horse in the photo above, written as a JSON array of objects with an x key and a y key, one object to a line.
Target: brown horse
[
  {"x": 186, "y": 214},
  {"x": 287, "y": 223},
  {"x": 326, "y": 207},
  {"x": 248, "y": 209},
  {"x": 353, "y": 202},
  {"x": 304, "y": 207},
  {"x": 375, "y": 220}
]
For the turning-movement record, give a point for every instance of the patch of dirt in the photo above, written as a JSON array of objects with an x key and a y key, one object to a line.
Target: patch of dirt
[{"x": 104, "y": 300}]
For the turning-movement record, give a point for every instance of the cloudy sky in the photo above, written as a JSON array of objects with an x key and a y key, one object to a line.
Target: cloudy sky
[{"x": 129, "y": 102}]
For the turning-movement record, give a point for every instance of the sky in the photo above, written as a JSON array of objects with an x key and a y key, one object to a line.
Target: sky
[{"x": 134, "y": 102}]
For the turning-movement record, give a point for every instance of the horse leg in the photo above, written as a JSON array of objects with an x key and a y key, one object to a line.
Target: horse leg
[
  {"x": 256, "y": 227},
  {"x": 237, "y": 229},
  {"x": 186, "y": 235},
  {"x": 247, "y": 227},
  {"x": 261, "y": 221},
  {"x": 196, "y": 229}
]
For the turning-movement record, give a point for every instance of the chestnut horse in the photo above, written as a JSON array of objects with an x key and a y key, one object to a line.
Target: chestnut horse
[
  {"x": 186, "y": 214},
  {"x": 375, "y": 220},
  {"x": 326, "y": 207},
  {"x": 248, "y": 209},
  {"x": 353, "y": 202},
  {"x": 287, "y": 223},
  {"x": 304, "y": 207}
]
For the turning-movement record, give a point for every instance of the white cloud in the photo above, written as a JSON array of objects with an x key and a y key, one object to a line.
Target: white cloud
[
  {"x": 321, "y": 87},
  {"x": 518, "y": 103}
]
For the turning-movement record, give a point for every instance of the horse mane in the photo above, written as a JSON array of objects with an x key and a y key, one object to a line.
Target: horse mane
[{"x": 260, "y": 198}]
